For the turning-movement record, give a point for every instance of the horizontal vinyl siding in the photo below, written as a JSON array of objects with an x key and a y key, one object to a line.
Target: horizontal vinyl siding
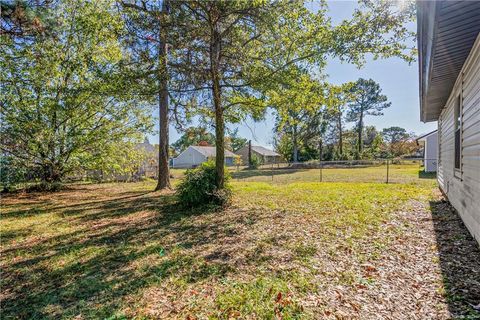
[
  {"x": 463, "y": 192},
  {"x": 188, "y": 158},
  {"x": 431, "y": 151}
]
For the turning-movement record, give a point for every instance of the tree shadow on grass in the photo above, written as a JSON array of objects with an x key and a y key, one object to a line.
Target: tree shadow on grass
[
  {"x": 65, "y": 209},
  {"x": 426, "y": 175},
  {"x": 90, "y": 269},
  {"x": 459, "y": 255}
]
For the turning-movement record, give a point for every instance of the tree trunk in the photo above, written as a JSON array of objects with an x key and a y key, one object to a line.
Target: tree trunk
[
  {"x": 295, "y": 144},
  {"x": 217, "y": 103},
  {"x": 340, "y": 136},
  {"x": 51, "y": 173},
  {"x": 163, "y": 171},
  {"x": 360, "y": 131},
  {"x": 249, "y": 153},
  {"x": 320, "y": 150}
]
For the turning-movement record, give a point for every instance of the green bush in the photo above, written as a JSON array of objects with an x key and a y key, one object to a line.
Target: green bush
[
  {"x": 11, "y": 174},
  {"x": 198, "y": 187},
  {"x": 255, "y": 162},
  {"x": 45, "y": 187}
]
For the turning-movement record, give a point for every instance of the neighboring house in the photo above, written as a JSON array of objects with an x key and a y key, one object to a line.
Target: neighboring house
[
  {"x": 149, "y": 166},
  {"x": 195, "y": 155},
  {"x": 430, "y": 150},
  {"x": 266, "y": 155},
  {"x": 449, "y": 61}
]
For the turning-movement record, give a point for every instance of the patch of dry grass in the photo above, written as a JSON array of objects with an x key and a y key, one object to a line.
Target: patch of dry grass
[{"x": 302, "y": 250}]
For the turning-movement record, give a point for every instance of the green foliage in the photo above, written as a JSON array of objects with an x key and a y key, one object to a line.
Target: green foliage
[
  {"x": 368, "y": 100},
  {"x": 377, "y": 27},
  {"x": 304, "y": 118},
  {"x": 198, "y": 187},
  {"x": 124, "y": 159},
  {"x": 394, "y": 134},
  {"x": 193, "y": 136},
  {"x": 255, "y": 162},
  {"x": 237, "y": 161},
  {"x": 11, "y": 173},
  {"x": 261, "y": 54},
  {"x": 234, "y": 142},
  {"x": 76, "y": 93},
  {"x": 25, "y": 19},
  {"x": 283, "y": 146},
  {"x": 45, "y": 187},
  {"x": 66, "y": 99},
  {"x": 307, "y": 149}
]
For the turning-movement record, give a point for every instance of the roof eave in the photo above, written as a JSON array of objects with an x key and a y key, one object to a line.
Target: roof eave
[
  {"x": 426, "y": 16},
  {"x": 447, "y": 31},
  {"x": 426, "y": 135}
]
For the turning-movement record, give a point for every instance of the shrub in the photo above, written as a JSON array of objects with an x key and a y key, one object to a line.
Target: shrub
[
  {"x": 237, "y": 161},
  {"x": 198, "y": 187},
  {"x": 45, "y": 187},
  {"x": 255, "y": 162},
  {"x": 11, "y": 174}
]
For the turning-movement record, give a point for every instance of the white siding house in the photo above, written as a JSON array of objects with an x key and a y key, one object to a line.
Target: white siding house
[
  {"x": 195, "y": 155},
  {"x": 430, "y": 150},
  {"x": 449, "y": 60}
]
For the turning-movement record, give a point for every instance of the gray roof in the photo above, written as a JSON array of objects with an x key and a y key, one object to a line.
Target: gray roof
[
  {"x": 211, "y": 151},
  {"x": 446, "y": 33},
  {"x": 264, "y": 151}
]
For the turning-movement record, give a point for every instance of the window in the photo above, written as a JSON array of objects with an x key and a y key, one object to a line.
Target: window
[{"x": 458, "y": 132}]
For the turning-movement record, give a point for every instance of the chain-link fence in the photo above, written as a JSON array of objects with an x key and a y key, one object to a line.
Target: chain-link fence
[{"x": 379, "y": 170}]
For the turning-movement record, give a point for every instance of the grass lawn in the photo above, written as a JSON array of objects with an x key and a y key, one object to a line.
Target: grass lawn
[
  {"x": 294, "y": 250},
  {"x": 398, "y": 173}
]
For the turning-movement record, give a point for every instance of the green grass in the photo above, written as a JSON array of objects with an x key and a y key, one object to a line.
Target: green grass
[
  {"x": 120, "y": 251},
  {"x": 402, "y": 173}
]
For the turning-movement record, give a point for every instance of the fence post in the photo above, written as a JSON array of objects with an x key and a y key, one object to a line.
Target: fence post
[
  {"x": 388, "y": 169},
  {"x": 272, "y": 171},
  {"x": 321, "y": 173}
]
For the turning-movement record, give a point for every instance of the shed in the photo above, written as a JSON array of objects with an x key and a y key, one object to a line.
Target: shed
[
  {"x": 195, "y": 155},
  {"x": 430, "y": 150}
]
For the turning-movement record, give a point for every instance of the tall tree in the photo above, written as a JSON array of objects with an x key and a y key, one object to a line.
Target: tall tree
[
  {"x": 149, "y": 37},
  {"x": 400, "y": 142},
  {"x": 163, "y": 158},
  {"x": 337, "y": 101},
  {"x": 223, "y": 38},
  {"x": 239, "y": 50},
  {"x": 298, "y": 102},
  {"x": 64, "y": 101},
  {"x": 368, "y": 100},
  {"x": 394, "y": 134}
]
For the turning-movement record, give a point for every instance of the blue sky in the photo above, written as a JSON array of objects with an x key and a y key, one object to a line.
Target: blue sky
[{"x": 398, "y": 80}]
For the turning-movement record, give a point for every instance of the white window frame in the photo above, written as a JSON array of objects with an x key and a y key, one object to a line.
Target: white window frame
[{"x": 458, "y": 126}]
